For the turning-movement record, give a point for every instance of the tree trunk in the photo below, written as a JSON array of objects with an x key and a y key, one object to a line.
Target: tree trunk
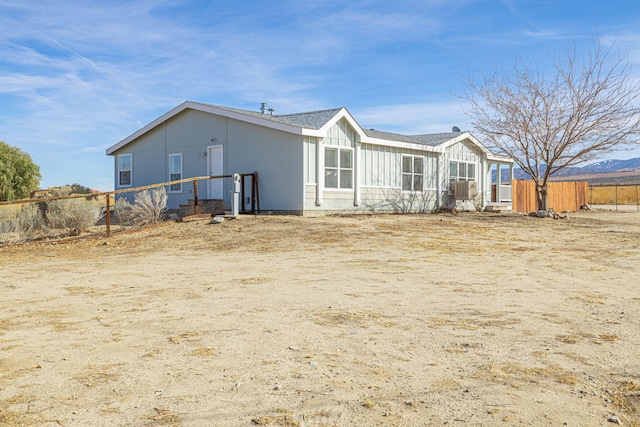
[{"x": 541, "y": 196}]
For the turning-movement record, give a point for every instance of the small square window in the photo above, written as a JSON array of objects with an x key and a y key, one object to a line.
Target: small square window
[{"x": 175, "y": 171}]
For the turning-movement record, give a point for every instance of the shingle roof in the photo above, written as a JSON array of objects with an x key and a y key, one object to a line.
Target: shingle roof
[
  {"x": 317, "y": 119},
  {"x": 433, "y": 139},
  {"x": 372, "y": 133},
  {"x": 312, "y": 120},
  {"x": 309, "y": 120}
]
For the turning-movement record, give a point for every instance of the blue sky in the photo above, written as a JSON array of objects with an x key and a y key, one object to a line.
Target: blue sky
[{"x": 78, "y": 76}]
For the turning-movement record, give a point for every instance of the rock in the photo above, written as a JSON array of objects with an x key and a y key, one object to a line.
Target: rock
[
  {"x": 105, "y": 244},
  {"x": 173, "y": 217},
  {"x": 615, "y": 420},
  {"x": 217, "y": 220},
  {"x": 542, "y": 214},
  {"x": 313, "y": 363}
]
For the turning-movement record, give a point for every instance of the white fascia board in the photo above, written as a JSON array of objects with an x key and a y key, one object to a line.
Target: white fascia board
[
  {"x": 479, "y": 145},
  {"x": 462, "y": 137},
  {"x": 207, "y": 109},
  {"x": 500, "y": 159}
]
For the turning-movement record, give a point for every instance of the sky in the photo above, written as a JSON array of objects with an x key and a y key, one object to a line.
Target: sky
[{"x": 76, "y": 77}]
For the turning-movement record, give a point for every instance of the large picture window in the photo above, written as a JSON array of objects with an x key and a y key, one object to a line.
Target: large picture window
[
  {"x": 124, "y": 170},
  {"x": 412, "y": 173},
  {"x": 175, "y": 171},
  {"x": 462, "y": 171},
  {"x": 338, "y": 168}
]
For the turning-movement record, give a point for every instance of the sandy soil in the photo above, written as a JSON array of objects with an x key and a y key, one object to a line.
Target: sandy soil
[{"x": 469, "y": 320}]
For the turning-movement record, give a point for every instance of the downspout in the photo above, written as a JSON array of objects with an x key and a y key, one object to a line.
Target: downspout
[
  {"x": 319, "y": 171},
  {"x": 498, "y": 180},
  {"x": 357, "y": 200},
  {"x": 439, "y": 181},
  {"x": 483, "y": 184}
]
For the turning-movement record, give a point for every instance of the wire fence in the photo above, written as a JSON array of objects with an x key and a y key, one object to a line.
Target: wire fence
[
  {"x": 51, "y": 218},
  {"x": 617, "y": 196}
]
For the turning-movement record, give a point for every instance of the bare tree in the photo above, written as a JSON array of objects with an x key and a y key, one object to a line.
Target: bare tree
[{"x": 549, "y": 122}]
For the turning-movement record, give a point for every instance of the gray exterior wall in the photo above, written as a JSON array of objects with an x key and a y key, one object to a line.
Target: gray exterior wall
[{"x": 275, "y": 155}]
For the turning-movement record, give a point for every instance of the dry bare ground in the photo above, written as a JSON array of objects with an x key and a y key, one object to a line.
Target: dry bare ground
[{"x": 474, "y": 319}]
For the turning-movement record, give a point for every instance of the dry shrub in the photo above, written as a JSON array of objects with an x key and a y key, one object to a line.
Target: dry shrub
[
  {"x": 29, "y": 221},
  {"x": 8, "y": 230},
  {"x": 73, "y": 216},
  {"x": 122, "y": 211},
  {"x": 21, "y": 224},
  {"x": 149, "y": 207}
]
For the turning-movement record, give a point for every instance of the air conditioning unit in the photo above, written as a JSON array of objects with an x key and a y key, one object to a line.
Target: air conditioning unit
[{"x": 464, "y": 190}]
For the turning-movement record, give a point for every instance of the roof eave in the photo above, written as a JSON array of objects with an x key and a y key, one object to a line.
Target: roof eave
[{"x": 500, "y": 159}]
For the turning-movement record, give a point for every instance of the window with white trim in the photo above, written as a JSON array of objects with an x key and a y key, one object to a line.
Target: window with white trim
[
  {"x": 124, "y": 170},
  {"x": 462, "y": 171},
  {"x": 412, "y": 173},
  {"x": 338, "y": 168},
  {"x": 175, "y": 172}
]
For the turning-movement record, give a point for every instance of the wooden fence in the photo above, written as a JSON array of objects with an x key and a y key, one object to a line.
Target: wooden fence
[
  {"x": 109, "y": 196},
  {"x": 561, "y": 196}
]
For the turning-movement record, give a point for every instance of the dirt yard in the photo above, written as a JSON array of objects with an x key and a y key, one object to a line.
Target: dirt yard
[{"x": 466, "y": 320}]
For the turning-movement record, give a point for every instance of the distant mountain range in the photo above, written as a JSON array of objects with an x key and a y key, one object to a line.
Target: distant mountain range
[{"x": 604, "y": 171}]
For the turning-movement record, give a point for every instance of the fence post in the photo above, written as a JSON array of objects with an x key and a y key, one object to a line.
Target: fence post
[
  {"x": 195, "y": 197},
  {"x": 108, "y": 217}
]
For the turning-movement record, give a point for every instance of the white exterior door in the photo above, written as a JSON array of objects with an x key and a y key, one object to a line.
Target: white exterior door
[{"x": 215, "y": 187}]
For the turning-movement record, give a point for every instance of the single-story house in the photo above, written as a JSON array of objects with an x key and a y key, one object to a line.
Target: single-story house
[{"x": 312, "y": 163}]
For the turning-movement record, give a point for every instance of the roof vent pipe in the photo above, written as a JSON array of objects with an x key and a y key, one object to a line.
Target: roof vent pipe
[
  {"x": 455, "y": 129},
  {"x": 263, "y": 108}
]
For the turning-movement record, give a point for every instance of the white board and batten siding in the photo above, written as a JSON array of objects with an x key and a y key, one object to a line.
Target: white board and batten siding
[
  {"x": 377, "y": 170},
  {"x": 381, "y": 175},
  {"x": 341, "y": 136},
  {"x": 462, "y": 151}
]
